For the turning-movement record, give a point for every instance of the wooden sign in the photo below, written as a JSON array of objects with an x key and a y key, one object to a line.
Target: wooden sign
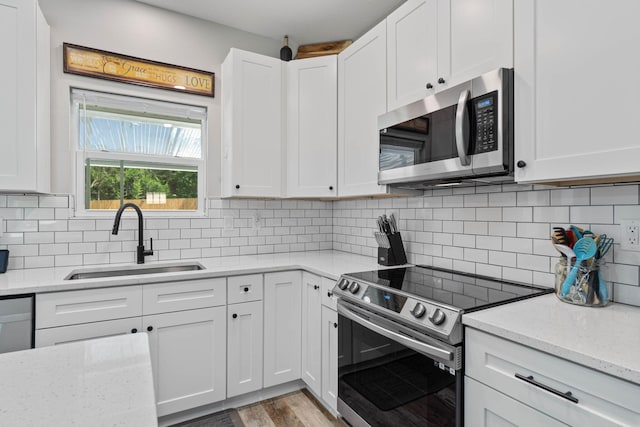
[
  {"x": 321, "y": 49},
  {"x": 85, "y": 61}
]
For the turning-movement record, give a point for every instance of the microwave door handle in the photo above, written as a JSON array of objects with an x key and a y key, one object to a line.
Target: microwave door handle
[
  {"x": 418, "y": 346},
  {"x": 462, "y": 128}
]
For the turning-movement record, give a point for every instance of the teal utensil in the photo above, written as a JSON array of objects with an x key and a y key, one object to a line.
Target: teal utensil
[
  {"x": 584, "y": 249},
  {"x": 576, "y": 231}
]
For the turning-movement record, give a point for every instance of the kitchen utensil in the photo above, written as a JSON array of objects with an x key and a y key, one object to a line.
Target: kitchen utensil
[
  {"x": 604, "y": 246},
  {"x": 393, "y": 224},
  {"x": 584, "y": 249},
  {"x": 560, "y": 235},
  {"x": 576, "y": 231},
  {"x": 383, "y": 240},
  {"x": 571, "y": 236},
  {"x": 567, "y": 252}
]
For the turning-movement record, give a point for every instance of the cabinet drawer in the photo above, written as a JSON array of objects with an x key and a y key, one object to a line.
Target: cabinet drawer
[
  {"x": 602, "y": 400},
  {"x": 74, "y": 333},
  {"x": 91, "y": 305},
  {"x": 328, "y": 299},
  {"x": 244, "y": 288},
  {"x": 185, "y": 295}
]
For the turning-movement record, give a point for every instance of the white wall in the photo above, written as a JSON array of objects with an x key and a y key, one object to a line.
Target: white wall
[{"x": 140, "y": 30}]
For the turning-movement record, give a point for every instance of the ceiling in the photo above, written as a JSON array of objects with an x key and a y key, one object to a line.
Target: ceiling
[{"x": 305, "y": 21}]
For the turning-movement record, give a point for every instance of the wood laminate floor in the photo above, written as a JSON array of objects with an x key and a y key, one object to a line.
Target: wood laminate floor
[{"x": 297, "y": 409}]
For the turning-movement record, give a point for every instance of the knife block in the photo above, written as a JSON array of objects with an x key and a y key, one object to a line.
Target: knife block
[{"x": 395, "y": 254}]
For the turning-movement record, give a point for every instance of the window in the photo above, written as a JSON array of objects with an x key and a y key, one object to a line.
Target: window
[{"x": 137, "y": 150}]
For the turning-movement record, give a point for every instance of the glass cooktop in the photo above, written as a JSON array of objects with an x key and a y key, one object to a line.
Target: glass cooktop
[{"x": 459, "y": 290}]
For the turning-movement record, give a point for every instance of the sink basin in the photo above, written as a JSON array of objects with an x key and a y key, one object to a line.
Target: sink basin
[{"x": 134, "y": 271}]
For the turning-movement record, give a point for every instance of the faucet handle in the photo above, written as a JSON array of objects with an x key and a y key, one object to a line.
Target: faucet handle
[{"x": 149, "y": 251}]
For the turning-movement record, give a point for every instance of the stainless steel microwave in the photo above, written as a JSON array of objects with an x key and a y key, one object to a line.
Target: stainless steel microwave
[{"x": 464, "y": 133}]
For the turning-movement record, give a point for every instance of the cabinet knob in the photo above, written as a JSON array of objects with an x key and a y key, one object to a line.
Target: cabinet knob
[
  {"x": 237, "y": 186},
  {"x": 235, "y": 316},
  {"x": 149, "y": 328},
  {"x": 331, "y": 187},
  {"x": 335, "y": 325},
  {"x": 429, "y": 86},
  {"x": 521, "y": 163},
  {"x": 329, "y": 294},
  {"x": 316, "y": 287},
  {"x": 441, "y": 80},
  {"x": 246, "y": 289},
  {"x": 134, "y": 330}
]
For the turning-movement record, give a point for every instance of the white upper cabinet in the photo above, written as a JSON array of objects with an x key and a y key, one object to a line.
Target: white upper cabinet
[
  {"x": 24, "y": 104},
  {"x": 412, "y": 46},
  {"x": 312, "y": 90},
  {"x": 252, "y": 147},
  {"x": 362, "y": 98},
  {"x": 474, "y": 36},
  {"x": 435, "y": 44},
  {"x": 564, "y": 54}
]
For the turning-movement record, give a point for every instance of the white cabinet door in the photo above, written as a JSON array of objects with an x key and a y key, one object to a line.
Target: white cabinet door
[
  {"x": 282, "y": 327},
  {"x": 576, "y": 89},
  {"x": 24, "y": 104},
  {"x": 312, "y": 158},
  {"x": 188, "y": 352},
  {"x": 87, "y": 331},
  {"x": 330, "y": 357},
  {"x": 412, "y": 52},
  {"x": 474, "y": 37},
  {"x": 251, "y": 125},
  {"x": 485, "y": 407},
  {"x": 361, "y": 99},
  {"x": 311, "y": 331},
  {"x": 328, "y": 298},
  {"x": 244, "y": 352}
]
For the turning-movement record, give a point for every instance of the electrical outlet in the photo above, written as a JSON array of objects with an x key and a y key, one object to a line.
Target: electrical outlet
[{"x": 630, "y": 235}]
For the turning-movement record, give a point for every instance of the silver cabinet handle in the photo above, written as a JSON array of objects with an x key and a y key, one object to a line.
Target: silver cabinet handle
[
  {"x": 462, "y": 128},
  {"x": 418, "y": 346},
  {"x": 529, "y": 379}
]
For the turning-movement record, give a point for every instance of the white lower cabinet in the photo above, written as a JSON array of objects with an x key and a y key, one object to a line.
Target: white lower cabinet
[
  {"x": 311, "y": 331},
  {"x": 282, "y": 327},
  {"x": 485, "y": 407},
  {"x": 85, "y": 331},
  {"x": 330, "y": 357},
  {"x": 188, "y": 357},
  {"x": 565, "y": 391},
  {"x": 244, "y": 348}
]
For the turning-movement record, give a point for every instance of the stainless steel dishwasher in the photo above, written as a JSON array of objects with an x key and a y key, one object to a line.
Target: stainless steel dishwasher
[{"x": 16, "y": 322}]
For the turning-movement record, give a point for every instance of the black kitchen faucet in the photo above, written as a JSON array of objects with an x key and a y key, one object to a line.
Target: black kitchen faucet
[{"x": 141, "y": 252}]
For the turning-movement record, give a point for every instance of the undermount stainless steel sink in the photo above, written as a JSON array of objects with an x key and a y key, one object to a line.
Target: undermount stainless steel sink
[{"x": 98, "y": 274}]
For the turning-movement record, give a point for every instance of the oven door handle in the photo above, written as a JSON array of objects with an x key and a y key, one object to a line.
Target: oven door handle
[
  {"x": 462, "y": 128},
  {"x": 418, "y": 346}
]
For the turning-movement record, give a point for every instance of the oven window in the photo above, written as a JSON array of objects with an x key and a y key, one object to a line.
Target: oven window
[{"x": 384, "y": 382}]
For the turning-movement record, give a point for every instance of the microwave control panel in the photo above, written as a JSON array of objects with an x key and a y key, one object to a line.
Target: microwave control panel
[{"x": 485, "y": 115}]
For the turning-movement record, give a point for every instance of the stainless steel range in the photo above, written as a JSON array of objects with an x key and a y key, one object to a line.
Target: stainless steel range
[{"x": 400, "y": 342}]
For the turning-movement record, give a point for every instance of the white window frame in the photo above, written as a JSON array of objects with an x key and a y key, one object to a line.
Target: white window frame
[{"x": 81, "y": 156}]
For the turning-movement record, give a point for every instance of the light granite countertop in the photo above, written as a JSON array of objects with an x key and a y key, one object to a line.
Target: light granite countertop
[
  {"x": 103, "y": 382},
  {"x": 606, "y": 339},
  {"x": 325, "y": 263}
]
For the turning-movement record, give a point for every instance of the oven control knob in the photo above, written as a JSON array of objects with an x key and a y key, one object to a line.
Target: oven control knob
[
  {"x": 354, "y": 288},
  {"x": 343, "y": 284},
  {"x": 418, "y": 311},
  {"x": 437, "y": 317}
]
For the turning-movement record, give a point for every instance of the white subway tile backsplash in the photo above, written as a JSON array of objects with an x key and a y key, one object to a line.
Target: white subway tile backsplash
[
  {"x": 554, "y": 214},
  {"x": 533, "y": 198},
  {"x": 523, "y": 214},
  {"x": 464, "y": 240},
  {"x": 616, "y": 195},
  {"x": 17, "y": 201},
  {"x": 502, "y": 199},
  {"x": 591, "y": 214},
  {"x": 535, "y": 231},
  {"x": 511, "y": 244},
  {"x": 53, "y": 201},
  {"x": 570, "y": 197}
]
